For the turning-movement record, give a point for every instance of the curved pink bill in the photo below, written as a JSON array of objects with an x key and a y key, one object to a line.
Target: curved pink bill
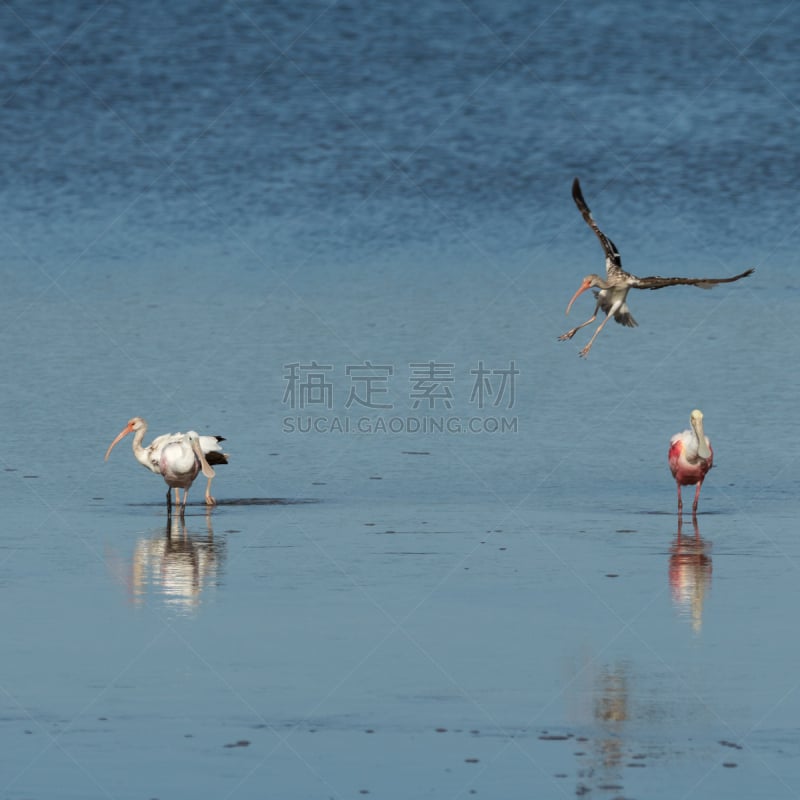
[
  {"x": 577, "y": 294},
  {"x": 122, "y": 434}
]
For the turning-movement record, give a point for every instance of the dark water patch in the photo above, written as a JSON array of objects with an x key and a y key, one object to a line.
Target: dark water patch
[
  {"x": 441, "y": 730},
  {"x": 415, "y": 452},
  {"x": 375, "y": 478},
  {"x": 651, "y": 513},
  {"x": 726, "y": 743},
  {"x": 612, "y": 575},
  {"x": 239, "y": 743},
  {"x": 729, "y": 764},
  {"x": 30, "y": 476},
  {"x": 318, "y": 483},
  {"x": 242, "y": 501},
  {"x": 471, "y": 760},
  {"x": 555, "y": 737},
  {"x": 266, "y": 501}
]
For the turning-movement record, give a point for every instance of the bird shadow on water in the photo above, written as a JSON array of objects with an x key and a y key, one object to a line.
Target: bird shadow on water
[
  {"x": 241, "y": 501},
  {"x": 651, "y": 513}
]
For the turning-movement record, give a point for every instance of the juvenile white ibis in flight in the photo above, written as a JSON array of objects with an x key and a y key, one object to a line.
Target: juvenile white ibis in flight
[
  {"x": 614, "y": 289},
  {"x": 150, "y": 456},
  {"x": 690, "y": 458}
]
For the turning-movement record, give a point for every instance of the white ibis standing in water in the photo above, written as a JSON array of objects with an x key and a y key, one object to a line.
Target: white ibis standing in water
[
  {"x": 150, "y": 456},
  {"x": 690, "y": 458},
  {"x": 614, "y": 289},
  {"x": 179, "y": 463}
]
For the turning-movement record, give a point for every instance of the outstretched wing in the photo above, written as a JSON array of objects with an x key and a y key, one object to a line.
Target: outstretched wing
[
  {"x": 655, "y": 282},
  {"x": 613, "y": 261}
]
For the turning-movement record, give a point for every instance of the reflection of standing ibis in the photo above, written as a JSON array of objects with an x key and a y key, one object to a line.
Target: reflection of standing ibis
[
  {"x": 690, "y": 458},
  {"x": 150, "y": 456},
  {"x": 614, "y": 289}
]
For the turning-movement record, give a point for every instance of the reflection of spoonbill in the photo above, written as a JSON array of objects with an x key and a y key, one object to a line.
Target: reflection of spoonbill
[
  {"x": 690, "y": 458},
  {"x": 179, "y": 464},
  {"x": 690, "y": 572},
  {"x": 614, "y": 289},
  {"x": 150, "y": 456}
]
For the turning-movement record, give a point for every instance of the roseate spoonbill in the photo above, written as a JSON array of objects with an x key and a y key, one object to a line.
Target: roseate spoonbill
[
  {"x": 690, "y": 458},
  {"x": 614, "y": 289},
  {"x": 150, "y": 456}
]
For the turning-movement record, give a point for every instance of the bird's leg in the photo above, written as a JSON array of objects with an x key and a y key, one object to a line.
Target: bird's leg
[
  {"x": 183, "y": 504},
  {"x": 210, "y": 501},
  {"x": 585, "y": 352},
  {"x": 696, "y": 496},
  {"x": 569, "y": 334},
  {"x": 177, "y": 497},
  {"x": 169, "y": 502},
  {"x": 680, "y": 500}
]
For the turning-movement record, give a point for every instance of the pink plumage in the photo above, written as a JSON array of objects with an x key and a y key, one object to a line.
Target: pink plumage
[{"x": 690, "y": 458}]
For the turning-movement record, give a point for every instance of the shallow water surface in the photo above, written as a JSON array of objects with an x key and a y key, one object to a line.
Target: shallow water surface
[{"x": 335, "y": 234}]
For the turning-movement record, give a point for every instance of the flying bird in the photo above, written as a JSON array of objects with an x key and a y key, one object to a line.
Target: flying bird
[
  {"x": 613, "y": 291},
  {"x": 150, "y": 456},
  {"x": 690, "y": 458}
]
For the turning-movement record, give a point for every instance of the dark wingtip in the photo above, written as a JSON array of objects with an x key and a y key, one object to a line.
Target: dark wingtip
[{"x": 576, "y": 188}]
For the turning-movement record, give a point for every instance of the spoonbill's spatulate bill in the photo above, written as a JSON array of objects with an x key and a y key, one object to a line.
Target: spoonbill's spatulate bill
[
  {"x": 613, "y": 291},
  {"x": 690, "y": 458},
  {"x": 150, "y": 456}
]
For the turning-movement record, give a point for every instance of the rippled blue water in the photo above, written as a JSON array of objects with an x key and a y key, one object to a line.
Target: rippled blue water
[{"x": 196, "y": 196}]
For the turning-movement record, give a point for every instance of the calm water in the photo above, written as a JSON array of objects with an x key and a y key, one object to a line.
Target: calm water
[{"x": 197, "y": 196}]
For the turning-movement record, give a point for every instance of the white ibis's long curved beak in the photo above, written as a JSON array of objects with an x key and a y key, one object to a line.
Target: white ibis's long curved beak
[
  {"x": 122, "y": 434},
  {"x": 584, "y": 286},
  {"x": 204, "y": 465}
]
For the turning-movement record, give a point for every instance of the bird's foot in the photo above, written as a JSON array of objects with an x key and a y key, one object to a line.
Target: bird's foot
[
  {"x": 565, "y": 337},
  {"x": 210, "y": 501},
  {"x": 585, "y": 352}
]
